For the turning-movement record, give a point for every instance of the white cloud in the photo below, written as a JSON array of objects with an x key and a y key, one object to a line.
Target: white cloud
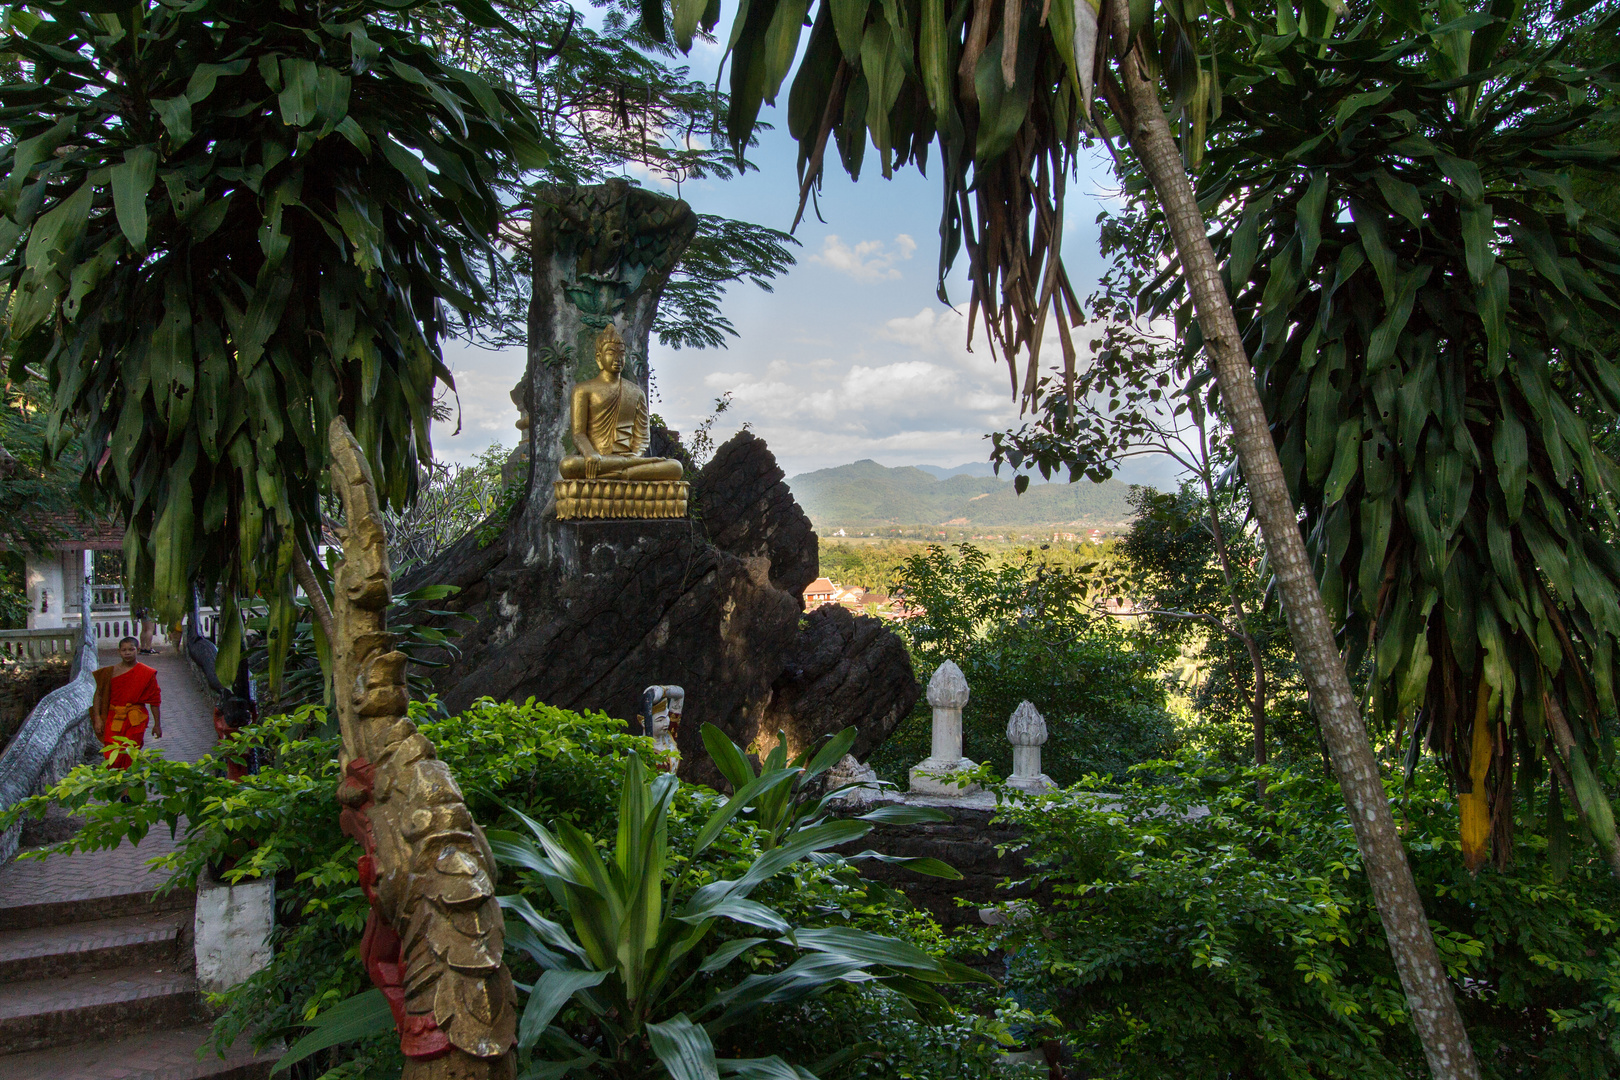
[
  {"x": 868, "y": 260},
  {"x": 484, "y": 380}
]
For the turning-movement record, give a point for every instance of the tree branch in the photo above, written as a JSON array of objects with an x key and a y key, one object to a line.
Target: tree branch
[{"x": 317, "y": 598}]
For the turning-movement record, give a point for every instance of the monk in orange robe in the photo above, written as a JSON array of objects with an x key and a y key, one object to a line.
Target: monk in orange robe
[{"x": 127, "y": 699}]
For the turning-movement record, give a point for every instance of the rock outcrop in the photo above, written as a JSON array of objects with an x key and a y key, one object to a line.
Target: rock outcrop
[
  {"x": 843, "y": 670},
  {"x": 745, "y": 507},
  {"x": 713, "y": 604},
  {"x": 632, "y": 604},
  {"x": 586, "y": 614}
]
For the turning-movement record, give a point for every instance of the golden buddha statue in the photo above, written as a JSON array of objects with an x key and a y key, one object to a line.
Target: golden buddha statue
[
  {"x": 610, "y": 423},
  {"x": 610, "y": 476}
]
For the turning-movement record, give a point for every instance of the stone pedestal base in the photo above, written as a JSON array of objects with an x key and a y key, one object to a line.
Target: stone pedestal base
[
  {"x": 232, "y": 930},
  {"x": 620, "y": 499},
  {"x": 928, "y": 777},
  {"x": 602, "y": 547},
  {"x": 1035, "y": 785}
]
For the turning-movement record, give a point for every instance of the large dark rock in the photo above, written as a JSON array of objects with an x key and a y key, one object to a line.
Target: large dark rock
[
  {"x": 629, "y": 604},
  {"x": 600, "y": 610},
  {"x": 746, "y": 508},
  {"x": 842, "y": 671}
]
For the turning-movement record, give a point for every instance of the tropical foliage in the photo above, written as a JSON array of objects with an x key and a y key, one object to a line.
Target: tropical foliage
[
  {"x": 1410, "y": 268},
  {"x": 1174, "y": 574},
  {"x": 566, "y": 769},
  {"x": 451, "y": 501},
  {"x": 1195, "y": 930},
  {"x": 302, "y": 199},
  {"x": 297, "y": 676},
  {"x": 606, "y": 97},
  {"x": 301, "y": 209},
  {"x": 1003, "y": 89},
  {"x": 36, "y": 487},
  {"x": 644, "y": 969},
  {"x": 1404, "y": 212}
]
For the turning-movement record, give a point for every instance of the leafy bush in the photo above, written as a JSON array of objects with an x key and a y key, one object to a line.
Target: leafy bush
[
  {"x": 298, "y": 677},
  {"x": 650, "y": 968},
  {"x": 555, "y": 766},
  {"x": 1172, "y": 567},
  {"x": 1024, "y": 630},
  {"x": 1192, "y": 930},
  {"x": 282, "y": 821}
]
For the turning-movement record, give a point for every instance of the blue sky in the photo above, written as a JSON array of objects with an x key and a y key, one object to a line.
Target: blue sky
[{"x": 852, "y": 356}]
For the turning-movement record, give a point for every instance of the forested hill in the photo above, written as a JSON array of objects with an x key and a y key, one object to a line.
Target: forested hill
[{"x": 869, "y": 495}]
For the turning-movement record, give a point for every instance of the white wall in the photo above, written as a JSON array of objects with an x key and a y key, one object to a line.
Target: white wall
[{"x": 46, "y": 594}]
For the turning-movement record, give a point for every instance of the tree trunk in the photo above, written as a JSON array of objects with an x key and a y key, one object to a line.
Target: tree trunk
[
  {"x": 1428, "y": 992},
  {"x": 602, "y": 253}
]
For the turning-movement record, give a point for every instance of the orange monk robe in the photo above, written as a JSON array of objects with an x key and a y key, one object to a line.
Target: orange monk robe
[{"x": 123, "y": 704}]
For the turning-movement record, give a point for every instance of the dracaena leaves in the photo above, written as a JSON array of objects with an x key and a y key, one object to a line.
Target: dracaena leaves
[
  {"x": 1405, "y": 287},
  {"x": 618, "y": 991},
  {"x": 1001, "y": 87},
  {"x": 244, "y": 244}
]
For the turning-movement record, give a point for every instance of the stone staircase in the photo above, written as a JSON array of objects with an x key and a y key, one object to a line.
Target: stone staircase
[
  {"x": 89, "y": 991},
  {"x": 96, "y": 969}
]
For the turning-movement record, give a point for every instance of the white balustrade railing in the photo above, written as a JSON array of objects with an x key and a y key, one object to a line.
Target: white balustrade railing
[
  {"x": 111, "y": 626},
  {"x": 109, "y": 596},
  {"x": 52, "y": 740},
  {"x": 26, "y": 646}
]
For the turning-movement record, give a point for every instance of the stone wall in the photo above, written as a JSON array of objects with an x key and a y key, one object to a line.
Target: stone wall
[
  {"x": 969, "y": 842},
  {"x": 21, "y": 688}
]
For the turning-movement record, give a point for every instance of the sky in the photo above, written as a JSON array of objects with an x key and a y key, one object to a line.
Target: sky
[{"x": 851, "y": 356}]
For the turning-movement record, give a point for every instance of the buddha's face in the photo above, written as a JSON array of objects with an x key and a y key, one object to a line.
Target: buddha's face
[{"x": 610, "y": 358}]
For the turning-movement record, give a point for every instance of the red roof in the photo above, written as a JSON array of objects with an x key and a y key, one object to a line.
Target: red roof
[{"x": 74, "y": 532}]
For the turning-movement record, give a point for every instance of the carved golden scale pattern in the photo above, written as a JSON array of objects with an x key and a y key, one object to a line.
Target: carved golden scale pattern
[{"x": 435, "y": 937}]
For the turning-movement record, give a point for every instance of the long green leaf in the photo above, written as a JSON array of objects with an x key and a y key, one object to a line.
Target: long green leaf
[
  {"x": 830, "y": 754},
  {"x": 130, "y": 183},
  {"x": 359, "y": 1017},
  {"x": 745, "y": 797},
  {"x": 548, "y": 997},
  {"x": 684, "y": 1049},
  {"x": 727, "y": 755},
  {"x": 765, "y": 1068}
]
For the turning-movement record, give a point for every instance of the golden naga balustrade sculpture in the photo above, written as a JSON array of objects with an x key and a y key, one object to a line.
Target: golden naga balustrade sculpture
[
  {"x": 434, "y": 940},
  {"x": 610, "y": 476}
]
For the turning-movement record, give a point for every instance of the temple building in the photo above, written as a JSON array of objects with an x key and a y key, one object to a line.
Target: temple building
[{"x": 54, "y": 577}]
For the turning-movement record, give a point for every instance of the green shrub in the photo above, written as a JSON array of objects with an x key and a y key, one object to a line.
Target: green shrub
[
  {"x": 1027, "y": 631},
  {"x": 282, "y": 821},
  {"x": 655, "y": 960},
  {"x": 555, "y": 766},
  {"x": 1188, "y": 929}
]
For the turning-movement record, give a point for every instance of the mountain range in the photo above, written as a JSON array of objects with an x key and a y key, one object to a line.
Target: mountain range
[{"x": 868, "y": 495}]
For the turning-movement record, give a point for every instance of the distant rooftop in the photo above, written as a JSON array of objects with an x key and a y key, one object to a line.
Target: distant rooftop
[{"x": 74, "y": 532}]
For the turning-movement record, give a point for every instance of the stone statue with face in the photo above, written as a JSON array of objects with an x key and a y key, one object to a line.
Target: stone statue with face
[{"x": 661, "y": 705}]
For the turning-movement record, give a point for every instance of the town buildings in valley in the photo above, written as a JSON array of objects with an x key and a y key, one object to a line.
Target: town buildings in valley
[{"x": 858, "y": 600}]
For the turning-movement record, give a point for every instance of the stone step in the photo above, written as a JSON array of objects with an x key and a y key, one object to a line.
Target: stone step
[
  {"x": 81, "y": 909},
  {"x": 152, "y": 941},
  {"x": 67, "y": 1009},
  {"x": 170, "y": 1054}
]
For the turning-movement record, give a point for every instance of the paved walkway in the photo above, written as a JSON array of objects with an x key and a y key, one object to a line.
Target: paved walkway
[{"x": 188, "y": 734}]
